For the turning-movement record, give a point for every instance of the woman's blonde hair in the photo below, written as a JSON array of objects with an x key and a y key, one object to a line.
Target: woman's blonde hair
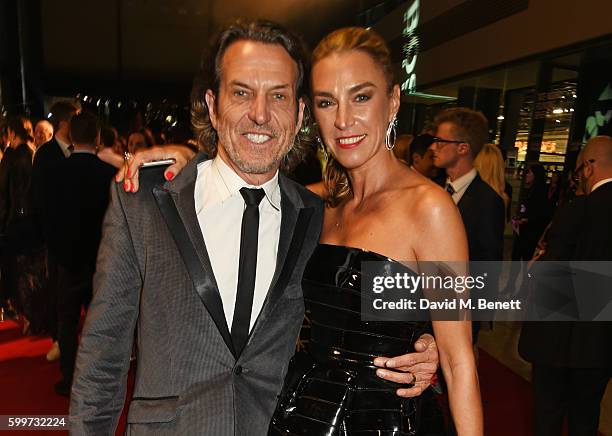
[
  {"x": 350, "y": 38},
  {"x": 491, "y": 167}
]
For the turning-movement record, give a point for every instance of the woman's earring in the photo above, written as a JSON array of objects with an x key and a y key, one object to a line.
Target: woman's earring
[{"x": 391, "y": 134}]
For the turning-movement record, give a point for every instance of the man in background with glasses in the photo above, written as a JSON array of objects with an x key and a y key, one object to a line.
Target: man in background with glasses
[{"x": 460, "y": 135}]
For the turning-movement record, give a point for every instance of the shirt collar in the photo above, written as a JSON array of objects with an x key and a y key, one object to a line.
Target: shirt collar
[
  {"x": 62, "y": 144},
  {"x": 600, "y": 183},
  {"x": 463, "y": 181},
  {"x": 230, "y": 183}
]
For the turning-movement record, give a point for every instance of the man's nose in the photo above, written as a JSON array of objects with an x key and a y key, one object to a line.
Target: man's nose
[{"x": 260, "y": 110}]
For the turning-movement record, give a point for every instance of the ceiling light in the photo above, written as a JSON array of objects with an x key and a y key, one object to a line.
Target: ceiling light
[{"x": 557, "y": 111}]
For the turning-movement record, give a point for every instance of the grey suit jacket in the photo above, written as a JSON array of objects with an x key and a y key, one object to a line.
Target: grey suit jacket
[{"x": 154, "y": 278}]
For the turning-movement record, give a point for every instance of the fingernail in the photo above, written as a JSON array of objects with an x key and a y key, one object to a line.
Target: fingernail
[
  {"x": 169, "y": 175},
  {"x": 381, "y": 373},
  {"x": 133, "y": 188},
  {"x": 126, "y": 186}
]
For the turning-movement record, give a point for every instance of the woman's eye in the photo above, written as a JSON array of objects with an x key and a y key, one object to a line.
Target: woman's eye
[
  {"x": 361, "y": 98},
  {"x": 240, "y": 93},
  {"x": 323, "y": 103},
  {"x": 279, "y": 96}
]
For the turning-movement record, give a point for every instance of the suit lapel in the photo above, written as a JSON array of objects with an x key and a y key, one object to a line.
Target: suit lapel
[
  {"x": 295, "y": 219},
  {"x": 466, "y": 198},
  {"x": 177, "y": 205}
]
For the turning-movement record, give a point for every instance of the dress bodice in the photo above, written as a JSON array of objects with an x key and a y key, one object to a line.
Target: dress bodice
[{"x": 332, "y": 294}]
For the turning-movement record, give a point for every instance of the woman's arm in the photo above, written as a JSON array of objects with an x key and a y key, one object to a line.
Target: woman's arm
[
  {"x": 129, "y": 173},
  {"x": 443, "y": 239}
]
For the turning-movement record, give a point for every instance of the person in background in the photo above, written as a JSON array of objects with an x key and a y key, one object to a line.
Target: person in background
[
  {"x": 490, "y": 165},
  {"x": 460, "y": 135},
  {"x": 22, "y": 275},
  {"x": 57, "y": 149},
  {"x": 107, "y": 147},
  {"x": 43, "y": 132},
  {"x": 402, "y": 143},
  {"x": 75, "y": 247},
  {"x": 572, "y": 361},
  {"x": 139, "y": 139},
  {"x": 420, "y": 157},
  {"x": 530, "y": 221}
]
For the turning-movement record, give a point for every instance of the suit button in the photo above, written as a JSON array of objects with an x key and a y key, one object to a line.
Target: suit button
[{"x": 238, "y": 370}]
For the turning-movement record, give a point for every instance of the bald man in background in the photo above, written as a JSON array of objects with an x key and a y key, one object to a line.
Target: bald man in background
[
  {"x": 43, "y": 132},
  {"x": 573, "y": 364}
]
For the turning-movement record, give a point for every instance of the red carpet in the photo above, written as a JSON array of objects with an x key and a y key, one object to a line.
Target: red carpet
[{"x": 27, "y": 382}]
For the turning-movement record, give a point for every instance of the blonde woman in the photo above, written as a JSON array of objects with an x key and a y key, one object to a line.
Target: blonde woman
[{"x": 491, "y": 167}]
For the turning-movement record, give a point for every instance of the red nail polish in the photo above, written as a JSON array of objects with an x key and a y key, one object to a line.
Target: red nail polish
[
  {"x": 133, "y": 188},
  {"x": 169, "y": 175},
  {"x": 126, "y": 186}
]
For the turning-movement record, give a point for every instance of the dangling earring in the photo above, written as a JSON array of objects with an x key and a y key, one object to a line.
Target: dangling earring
[
  {"x": 391, "y": 133},
  {"x": 323, "y": 148}
]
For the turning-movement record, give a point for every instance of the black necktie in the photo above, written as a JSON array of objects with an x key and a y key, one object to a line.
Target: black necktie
[
  {"x": 246, "y": 268},
  {"x": 450, "y": 189}
]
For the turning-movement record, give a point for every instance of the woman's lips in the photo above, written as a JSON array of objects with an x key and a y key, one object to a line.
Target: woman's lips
[{"x": 350, "y": 141}]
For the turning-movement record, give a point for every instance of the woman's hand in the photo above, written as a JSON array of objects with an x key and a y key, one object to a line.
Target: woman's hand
[{"x": 129, "y": 173}]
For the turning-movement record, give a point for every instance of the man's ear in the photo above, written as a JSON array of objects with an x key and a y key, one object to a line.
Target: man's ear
[
  {"x": 416, "y": 158},
  {"x": 464, "y": 148},
  {"x": 210, "y": 98},
  {"x": 300, "y": 116}
]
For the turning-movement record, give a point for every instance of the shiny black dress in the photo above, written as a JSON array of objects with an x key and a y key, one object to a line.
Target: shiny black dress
[{"x": 331, "y": 388}]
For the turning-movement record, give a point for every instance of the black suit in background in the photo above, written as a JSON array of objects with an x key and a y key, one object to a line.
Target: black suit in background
[
  {"x": 45, "y": 157},
  {"x": 482, "y": 211},
  {"x": 572, "y": 361},
  {"x": 75, "y": 207}
]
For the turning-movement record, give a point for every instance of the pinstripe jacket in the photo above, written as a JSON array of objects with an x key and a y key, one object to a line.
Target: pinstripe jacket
[{"x": 154, "y": 278}]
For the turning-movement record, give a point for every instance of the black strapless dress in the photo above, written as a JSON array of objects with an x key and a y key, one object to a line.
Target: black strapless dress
[{"x": 331, "y": 388}]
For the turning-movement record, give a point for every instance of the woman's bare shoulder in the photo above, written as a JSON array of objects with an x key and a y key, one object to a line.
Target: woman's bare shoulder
[{"x": 318, "y": 189}]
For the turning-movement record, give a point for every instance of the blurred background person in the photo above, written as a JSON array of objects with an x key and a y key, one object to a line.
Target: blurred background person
[
  {"x": 48, "y": 154},
  {"x": 420, "y": 157},
  {"x": 75, "y": 247},
  {"x": 402, "y": 144},
  {"x": 492, "y": 169},
  {"x": 23, "y": 271},
  {"x": 43, "y": 132},
  {"x": 529, "y": 222},
  {"x": 139, "y": 139},
  {"x": 108, "y": 145}
]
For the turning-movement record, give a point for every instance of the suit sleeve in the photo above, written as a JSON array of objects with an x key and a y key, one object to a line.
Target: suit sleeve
[
  {"x": 102, "y": 364},
  {"x": 491, "y": 234}
]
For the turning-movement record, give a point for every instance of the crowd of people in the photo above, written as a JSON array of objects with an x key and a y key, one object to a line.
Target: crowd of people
[{"x": 441, "y": 195}]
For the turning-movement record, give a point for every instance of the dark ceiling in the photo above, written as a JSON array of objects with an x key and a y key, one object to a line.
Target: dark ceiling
[{"x": 150, "y": 46}]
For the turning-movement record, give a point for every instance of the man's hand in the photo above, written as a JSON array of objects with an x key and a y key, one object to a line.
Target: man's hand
[
  {"x": 414, "y": 368},
  {"x": 129, "y": 173}
]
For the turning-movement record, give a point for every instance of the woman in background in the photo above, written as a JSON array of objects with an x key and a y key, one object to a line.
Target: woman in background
[{"x": 491, "y": 167}]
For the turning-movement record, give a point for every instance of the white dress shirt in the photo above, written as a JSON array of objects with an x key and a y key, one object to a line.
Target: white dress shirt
[
  {"x": 461, "y": 184},
  {"x": 601, "y": 182},
  {"x": 65, "y": 147},
  {"x": 219, "y": 207}
]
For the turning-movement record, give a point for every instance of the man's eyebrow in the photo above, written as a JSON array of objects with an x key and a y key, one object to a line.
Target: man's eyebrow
[{"x": 240, "y": 84}]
